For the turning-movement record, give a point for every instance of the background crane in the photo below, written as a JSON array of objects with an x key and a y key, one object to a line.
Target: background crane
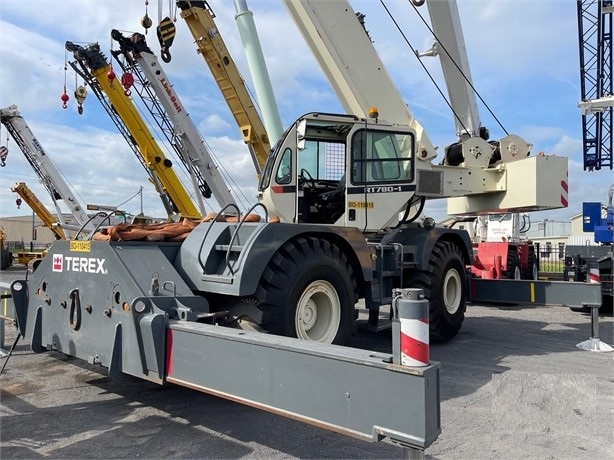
[{"x": 595, "y": 35}]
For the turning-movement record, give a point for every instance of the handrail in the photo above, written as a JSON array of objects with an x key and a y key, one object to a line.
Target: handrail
[{"x": 240, "y": 223}]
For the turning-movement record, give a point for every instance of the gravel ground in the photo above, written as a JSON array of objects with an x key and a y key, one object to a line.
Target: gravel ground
[{"x": 513, "y": 385}]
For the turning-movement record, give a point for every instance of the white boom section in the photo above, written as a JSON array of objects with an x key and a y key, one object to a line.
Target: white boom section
[
  {"x": 450, "y": 47},
  {"x": 46, "y": 170},
  {"x": 192, "y": 144},
  {"x": 354, "y": 69}
]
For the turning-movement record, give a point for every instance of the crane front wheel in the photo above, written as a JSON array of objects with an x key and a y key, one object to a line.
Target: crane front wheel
[{"x": 308, "y": 291}]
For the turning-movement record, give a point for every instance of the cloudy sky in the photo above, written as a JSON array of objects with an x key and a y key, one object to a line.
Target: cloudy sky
[{"x": 523, "y": 55}]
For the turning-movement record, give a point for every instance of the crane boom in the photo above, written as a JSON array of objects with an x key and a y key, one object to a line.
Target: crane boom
[
  {"x": 46, "y": 170},
  {"x": 199, "y": 19},
  {"x": 154, "y": 159},
  {"x": 450, "y": 47},
  {"x": 333, "y": 32},
  {"x": 475, "y": 174},
  {"x": 39, "y": 209},
  {"x": 596, "y": 82},
  {"x": 190, "y": 144}
]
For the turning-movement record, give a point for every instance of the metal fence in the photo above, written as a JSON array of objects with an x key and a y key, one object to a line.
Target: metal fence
[
  {"x": 15, "y": 246},
  {"x": 551, "y": 257}
]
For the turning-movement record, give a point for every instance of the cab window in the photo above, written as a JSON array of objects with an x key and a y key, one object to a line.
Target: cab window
[
  {"x": 284, "y": 170},
  {"x": 380, "y": 157}
]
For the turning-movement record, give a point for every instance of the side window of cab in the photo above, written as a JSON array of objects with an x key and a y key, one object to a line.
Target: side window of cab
[{"x": 284, "y": 171}]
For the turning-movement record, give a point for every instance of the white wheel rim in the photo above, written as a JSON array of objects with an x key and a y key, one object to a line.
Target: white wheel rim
[
  {"x": 452, "y": 291},
  {"x": 517, "y": 273},
  {"x": 535, "y": 272},
  {"x": 318, "y": 313}
]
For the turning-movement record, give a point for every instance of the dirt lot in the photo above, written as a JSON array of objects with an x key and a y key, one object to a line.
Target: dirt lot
[{"x": 514, "y": 385}]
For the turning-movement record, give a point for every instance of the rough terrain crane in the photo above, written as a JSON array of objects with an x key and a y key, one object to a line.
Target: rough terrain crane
[
  {"x": 345, "y": 171},
  {"x": 47, "y": 172},
  {"x": 92, "y": 65},
  {"x": 32, "y": 259},
  {"x": 338, "y": 181}
]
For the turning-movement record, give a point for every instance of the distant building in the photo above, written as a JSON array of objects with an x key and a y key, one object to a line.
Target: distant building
[{"x": 26, "y": 232}]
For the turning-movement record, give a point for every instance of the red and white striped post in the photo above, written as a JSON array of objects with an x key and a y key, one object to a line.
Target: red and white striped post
[{"x": 410, "y": 328}]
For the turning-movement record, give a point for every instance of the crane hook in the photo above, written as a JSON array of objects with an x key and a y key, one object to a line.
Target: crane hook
[
  {"x": 166, "y": 34},
  {"x": 127, "y": 82},
  {"x": 80, "y": 95},
  {"x": 64, "y": 98},
  {"x": 4, "y": 152}
]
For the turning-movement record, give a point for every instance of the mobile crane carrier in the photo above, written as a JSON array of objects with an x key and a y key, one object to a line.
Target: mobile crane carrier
[{"x": 339, "y": 183}]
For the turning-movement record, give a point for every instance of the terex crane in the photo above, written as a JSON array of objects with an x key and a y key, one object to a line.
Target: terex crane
[
  {"x": 92, "y": 65},
  {"x": 338, "y": 183},
  {"x": 47, "y": 171},
  {"x": 190, "y": 144},
  {"x": 200, "y": 20}
]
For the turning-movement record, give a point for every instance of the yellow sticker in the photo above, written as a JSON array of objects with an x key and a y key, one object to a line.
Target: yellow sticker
[
  {"x": 361, "y": 204},
  {"x": 81, "y": 246}
]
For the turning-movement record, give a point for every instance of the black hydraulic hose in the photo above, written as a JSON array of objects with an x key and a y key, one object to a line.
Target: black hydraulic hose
[{"x": 10, "y": 352}]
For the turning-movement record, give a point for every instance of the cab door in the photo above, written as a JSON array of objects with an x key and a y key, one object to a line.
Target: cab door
[{"x": 380, "y": 177}]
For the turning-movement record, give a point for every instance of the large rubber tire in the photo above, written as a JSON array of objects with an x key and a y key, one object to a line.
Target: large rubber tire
[
  {"x": 531, "y": 272},
  {"x": 445, "y": 286},
  {"x": 6, "y": 259},
  {"x": 308, "y": 291},
  {"x": 513, "y": 271}
]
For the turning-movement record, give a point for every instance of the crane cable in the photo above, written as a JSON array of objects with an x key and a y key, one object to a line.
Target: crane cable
[{"x": 416, "y": 53}]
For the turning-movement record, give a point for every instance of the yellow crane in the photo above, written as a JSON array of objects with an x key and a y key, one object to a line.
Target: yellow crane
[
  {"x": 98, "y": 73},
  {"x": 199, "y": 19},
  {"x": 39, "y": 209}
]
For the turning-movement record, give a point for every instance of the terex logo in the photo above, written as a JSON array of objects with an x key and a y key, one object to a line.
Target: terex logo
[
  {"x": 78, "y": 264},
  {"x": 58, "y": 262}
]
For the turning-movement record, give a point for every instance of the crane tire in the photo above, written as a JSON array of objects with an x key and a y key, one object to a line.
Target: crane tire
[
  {"x": 444, "y": 283},
  {"x": 531, "y": 272},
  {"x": 6, "y": 259},
  {"x": 308, "y": 291},
  {"x": 513, "y": 271}
]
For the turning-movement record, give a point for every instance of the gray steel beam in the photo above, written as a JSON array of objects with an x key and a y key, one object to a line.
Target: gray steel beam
[
  {"x": 354, "y": 392},
  {"x": 535, "y": 292}
]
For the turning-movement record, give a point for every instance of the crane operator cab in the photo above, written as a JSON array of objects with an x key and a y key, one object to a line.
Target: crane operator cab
[{"x": 340, "y": 170}]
